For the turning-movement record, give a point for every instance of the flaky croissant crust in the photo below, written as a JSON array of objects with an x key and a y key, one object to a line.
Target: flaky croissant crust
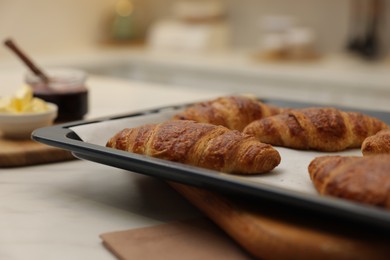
[
  {"x": 377, "y": 144},
  {"x": 323, "y": 129},
  {"x": 199, "y": 144},
  {"x": 233, "y": 112},
  {"x": 361, "y": 179}
]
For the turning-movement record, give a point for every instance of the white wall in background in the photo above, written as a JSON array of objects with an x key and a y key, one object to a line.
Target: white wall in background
[{"x": 54, "y": 26}]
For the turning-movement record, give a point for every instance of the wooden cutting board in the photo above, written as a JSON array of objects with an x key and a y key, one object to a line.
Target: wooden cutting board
[
  {"x": 15, "y": 153},
  {"x": 269, "y": 231}
]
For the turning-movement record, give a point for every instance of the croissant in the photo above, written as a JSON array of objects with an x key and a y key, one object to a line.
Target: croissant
[
  {"x": 233, "y": 112},
  {"x": 377, "y": 144},
  {"x": 361, "y": 179},
  {"x": 322, "y": 129},
  {"x": 199, "y": 144}
]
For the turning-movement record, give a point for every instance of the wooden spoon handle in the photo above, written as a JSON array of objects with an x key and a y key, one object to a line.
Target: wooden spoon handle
[{"x": 9, "y": 43}]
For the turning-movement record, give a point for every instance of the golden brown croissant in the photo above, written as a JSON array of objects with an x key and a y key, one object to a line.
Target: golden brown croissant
[
  {"x": 377, "y": 144},
  {"x": 233, "y": 112},
  {"x": 323, "y": 129},
  {"x": 362, "y": 179},
  {"x": 199, "y": 144}
]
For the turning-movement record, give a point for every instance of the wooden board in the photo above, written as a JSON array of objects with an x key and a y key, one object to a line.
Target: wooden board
[
  {"x": 270, "y": 232},
  {"x": 15, "y": 153}
]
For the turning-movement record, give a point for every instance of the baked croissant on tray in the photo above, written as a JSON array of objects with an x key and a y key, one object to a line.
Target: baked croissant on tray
[
  {"x": 233, "y": 112},
  {"x": 377, "y": 144},
  {"x": 199, "y": 144},
  {"x": 362, "y": 179},
  {"x": 322, "y": 129}
]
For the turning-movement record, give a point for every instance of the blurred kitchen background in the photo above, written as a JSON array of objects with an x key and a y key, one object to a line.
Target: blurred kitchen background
[{"x": 302, "y": 49}]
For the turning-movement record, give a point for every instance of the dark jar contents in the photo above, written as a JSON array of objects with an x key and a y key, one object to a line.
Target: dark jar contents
[{"x": 66, "y": 88}]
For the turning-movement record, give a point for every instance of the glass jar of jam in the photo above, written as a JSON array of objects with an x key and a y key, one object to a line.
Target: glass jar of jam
[{"x": 66, "y": 88}]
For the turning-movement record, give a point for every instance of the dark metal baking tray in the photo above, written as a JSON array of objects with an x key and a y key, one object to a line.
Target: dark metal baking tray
[{"x": 63, "y": 137}]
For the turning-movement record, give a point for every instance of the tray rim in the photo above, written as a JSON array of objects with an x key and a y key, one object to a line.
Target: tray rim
[{"x": 61, "y": 136}]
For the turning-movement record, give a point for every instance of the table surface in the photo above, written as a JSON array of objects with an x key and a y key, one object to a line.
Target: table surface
[{"x": 58, "y": 211}]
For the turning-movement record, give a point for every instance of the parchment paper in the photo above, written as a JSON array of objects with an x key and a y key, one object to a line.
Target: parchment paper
[{"x": 290, "y": 174}]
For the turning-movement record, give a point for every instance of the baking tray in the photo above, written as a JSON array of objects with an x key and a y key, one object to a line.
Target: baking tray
[{"x": 67, "y": 136}]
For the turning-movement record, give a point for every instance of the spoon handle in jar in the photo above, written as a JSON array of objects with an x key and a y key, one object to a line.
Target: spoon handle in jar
[{"x": 9, "y": 43}]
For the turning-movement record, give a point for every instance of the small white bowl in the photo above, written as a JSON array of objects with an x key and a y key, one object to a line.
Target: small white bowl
[{"x": 20, "y": 126}]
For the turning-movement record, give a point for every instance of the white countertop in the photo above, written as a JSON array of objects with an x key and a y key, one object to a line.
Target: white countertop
[
  {"x": 57, "y": 211},
  {"x": 336, "y": 78}
]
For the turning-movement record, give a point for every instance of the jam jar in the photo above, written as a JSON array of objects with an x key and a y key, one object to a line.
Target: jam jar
[{"x": 66, "y": 88}]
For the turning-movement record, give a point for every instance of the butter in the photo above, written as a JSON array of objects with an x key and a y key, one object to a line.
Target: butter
[
  {"x": 5, "y": 104},
  {"x": 22, "y": 101}
]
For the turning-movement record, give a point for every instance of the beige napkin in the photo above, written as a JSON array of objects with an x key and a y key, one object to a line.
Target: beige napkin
[{"x": 194, "y": 239}]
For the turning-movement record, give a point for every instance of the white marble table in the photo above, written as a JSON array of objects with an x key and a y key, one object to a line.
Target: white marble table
[{"x": 57, "y": 211}]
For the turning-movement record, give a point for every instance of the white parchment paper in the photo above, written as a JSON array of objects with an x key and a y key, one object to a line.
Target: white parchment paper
[{"x": 290, "y": 174}]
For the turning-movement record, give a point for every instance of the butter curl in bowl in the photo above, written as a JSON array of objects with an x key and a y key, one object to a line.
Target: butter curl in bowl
[{"x": 21, "y": 113}]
